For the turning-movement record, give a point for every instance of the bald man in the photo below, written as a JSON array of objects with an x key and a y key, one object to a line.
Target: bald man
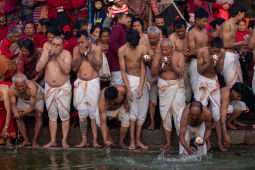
[
  {"x": 169, "y": 66},
  {"x": 195, "y": 120},
  {"x": 30, "y": 103}
]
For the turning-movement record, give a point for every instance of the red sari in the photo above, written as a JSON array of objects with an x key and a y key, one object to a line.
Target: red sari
[{"x": 12, "y": 125}]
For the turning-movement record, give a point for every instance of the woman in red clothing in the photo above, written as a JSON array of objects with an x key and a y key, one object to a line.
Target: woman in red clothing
[
  {"x": 7, "y": 124},
  {"x": 104, "y": 36}
]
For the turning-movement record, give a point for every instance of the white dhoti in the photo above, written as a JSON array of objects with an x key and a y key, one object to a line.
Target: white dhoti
[
  {"x": 193, "y": 132},
  {"x": 39, "y": 104},
  {"x": 121, "y": 113},
  {"x": 58, "y": 100},
  {"x": 86, "y": 95},
  {"x": 186, "y": 80},
  {"x": 232, "y": 72},
  {"x": 138, "y": 107},
  {"x": 209, "y": 89},
  {"x": 171, "y": 101},
  {"x": 116, "y": 78},
  {"x": 193, "y": 74}
]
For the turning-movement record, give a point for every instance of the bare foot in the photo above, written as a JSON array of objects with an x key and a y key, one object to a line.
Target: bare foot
[
  {"x": 51, "y": 144},
  {"x": 167, "y": 146},
  {"x": 238, "y": 123},
  {"x": 132, "y": 146},
  {"x": 151, "y": 127},
  {"x": 222, "y": 148},
  {"x": 65, "y": 145},
  {"x": 109, "y": 144},
  {"x": 123, "y": 146},
  {"x": 24, "y": 143},
  {"x": 141, "y": 145},
  {"x": 35, "y": 145},
  {"x": 2, "y": 141},
  {"x": 96, "y": 145},
  {"x": 231, "y": 126},
  {"x": 82, "y": 145},
  {"x": 8, "y": 142}
]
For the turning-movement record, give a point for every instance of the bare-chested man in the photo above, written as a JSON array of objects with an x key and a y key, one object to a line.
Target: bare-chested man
[
  {"x": 57, "y": 64},
  {"x": 152, "y": 43},
  {"x": 232, "y": 105},
  {"x": 231, "y": 70},
  {"x": 133, "y": 73},
  {"x": 87, "y": 60},
  {"x": 195, "y": 120},
  {"x": 30, "y": 101},
  {"x": 197, "y": 38},
  {"x": 169, "y": 66},
  {"x": 138, "y": 25},
  {"x": 252, "y": 47},
  {"x": 180, "y": 43},
  {"x": 113, "y": 103},
  {"x": 210, "y": 61}
]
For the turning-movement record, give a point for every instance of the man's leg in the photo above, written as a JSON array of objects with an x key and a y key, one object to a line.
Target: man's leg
[
  {"x": 218, "y": 131},
  {"x": 132, "y": 135},
  {"x": 38, "y": 125},
  {"x": 83, "y": 129},
  {"x": 65, "y": 130},
  {"x": 138, "y": 136},
  {"x": 94, "y": 132},
  {"x": 168, "y": 140},
  {"x": 123, "y": 132},
  {"x": 233, "y": 118},
  {"x": 53, "y": 125},
  {"x": 152, "y": 115},
  {"x": 22, "y": 128}
]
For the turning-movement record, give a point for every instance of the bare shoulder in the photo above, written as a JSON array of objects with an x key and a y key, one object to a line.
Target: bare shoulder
[
  {"x": 122, "y": 49},
  {"x": 172, "y": 37},
  {"x": 12, "y": 90},
  {"x": 31, "y": 84},
  {"x": 4, "y": 89},
  {"x": 121, "y": 88},
  {"x": 75, "y": 50},
  {"x": 96, "y": 48}
]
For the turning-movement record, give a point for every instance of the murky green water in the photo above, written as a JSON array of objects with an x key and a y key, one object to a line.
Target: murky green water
[{"x": 97, "y": 159}]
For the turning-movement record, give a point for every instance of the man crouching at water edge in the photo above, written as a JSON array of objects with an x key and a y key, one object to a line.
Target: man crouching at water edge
[
  {"x": 169, "y": 65},
  {"x": 30, "y": 103},
  {"x": 113, "y": 103},
  {"x": 87, "y": 60},
  {"x": 133, "y": 73},
  {"x": 57, "y": 64},
  {"x": 195, "y": 120}
]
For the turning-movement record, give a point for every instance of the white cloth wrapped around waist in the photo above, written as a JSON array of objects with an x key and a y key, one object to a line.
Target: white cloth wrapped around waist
[
  {"x": 86, "y": 92},
  {"x": 134, "y": 82}
]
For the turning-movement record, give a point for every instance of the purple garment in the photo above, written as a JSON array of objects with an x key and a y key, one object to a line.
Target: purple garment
[{"x": 117, "y": 40}]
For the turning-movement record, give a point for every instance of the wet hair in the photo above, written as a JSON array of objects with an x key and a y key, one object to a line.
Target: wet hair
[
  {"x": 201, "y": 13},
  {"x": 104, "y": 29},
  {"x": 44, "y": 22},
  {"x": 251, "y": 24},
  {"x": 235, "y": 8},
  {"x": 94, "y": 27},
  {"x": 243, "y": 20},
  {"x": 158, "y": 17},
  {"x": 153, "y": 30},
  {"x": 138, "y": 20},
  {"x": 133, "y": 37},
  {"x": 118, "y": 16},
  {"x": 53, "y": 30},
  {"x": 14, "y": 30},
  {"x": 239, "y": 88},
  {"x": 111, "y": 93},
  {"x": 19, "y": 75},
  {"x": 195, "y": 103},
  {"x": 178, "y": 23},
  {"x": 29, "y": 22},
  {"x": 216, "y": 42},
  {"x": 81, "y": 33},
  {"x": 218, "y": 21},
  {"x": 29, "y": 45},
  {"x": 131, "y": 16},
  {"x": 164, "y": 31},
  {"x": 82, "y": 23}
]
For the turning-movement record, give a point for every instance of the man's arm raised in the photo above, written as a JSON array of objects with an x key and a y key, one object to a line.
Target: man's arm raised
[
  {"x": 76, "y": 59},
  {"x": 95, "y": 58},
  {"x": 65, "y": 62},
  {"x": 179, "y": 68},
  {"x": 41, "y": 64}
]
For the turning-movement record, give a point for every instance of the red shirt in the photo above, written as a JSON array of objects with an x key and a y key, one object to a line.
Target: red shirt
[
  {"x": 70, "y": 44},
  {"x": 6, "y": 44},
  {"x": 240, "y": 35},
  {"x": 40, "y": 39},
  {"x": 78, "y": 5}
]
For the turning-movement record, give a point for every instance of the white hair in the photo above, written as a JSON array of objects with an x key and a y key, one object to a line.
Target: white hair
[
  {"x": 153, "y": 30},
  {"x": 59, "y": 38},
  {"x": 14, "y": 30},
  {"x": 19, "y": 75},
  {"x": 169, "y": 42}
]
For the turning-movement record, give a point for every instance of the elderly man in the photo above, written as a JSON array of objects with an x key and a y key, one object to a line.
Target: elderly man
[
  {"x": 30, "y": 102},
  {"x": 57, "y": 64},
  {"x": 195, "y": 120},
  {"x": 87, "y": 61},
  {"x": 169, "y": 66}
]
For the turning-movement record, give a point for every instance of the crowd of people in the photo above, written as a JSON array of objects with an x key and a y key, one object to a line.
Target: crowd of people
[{"x": 102, "y": 62}]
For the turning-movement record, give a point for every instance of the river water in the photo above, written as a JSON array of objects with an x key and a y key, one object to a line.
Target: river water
[{"x": 115, "y": 159}]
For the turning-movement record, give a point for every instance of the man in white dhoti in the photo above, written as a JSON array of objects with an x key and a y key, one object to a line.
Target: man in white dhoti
[
  {"x": 194, "y": 121},
  {"x": 57, "y": 64},
  {"x": 231, "y": 108},
  {"x": 231, "y": 70},
  {"x": 169, "y": 66},
  {"x": 30, "y": 103},
  {"x": 210, "y": 62},
  {"x": 112, "y": 104},
  {"x": 87, "y": 61},
  {"x": 133, "y": 73},
  {"x": 197, "y": 38}
]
